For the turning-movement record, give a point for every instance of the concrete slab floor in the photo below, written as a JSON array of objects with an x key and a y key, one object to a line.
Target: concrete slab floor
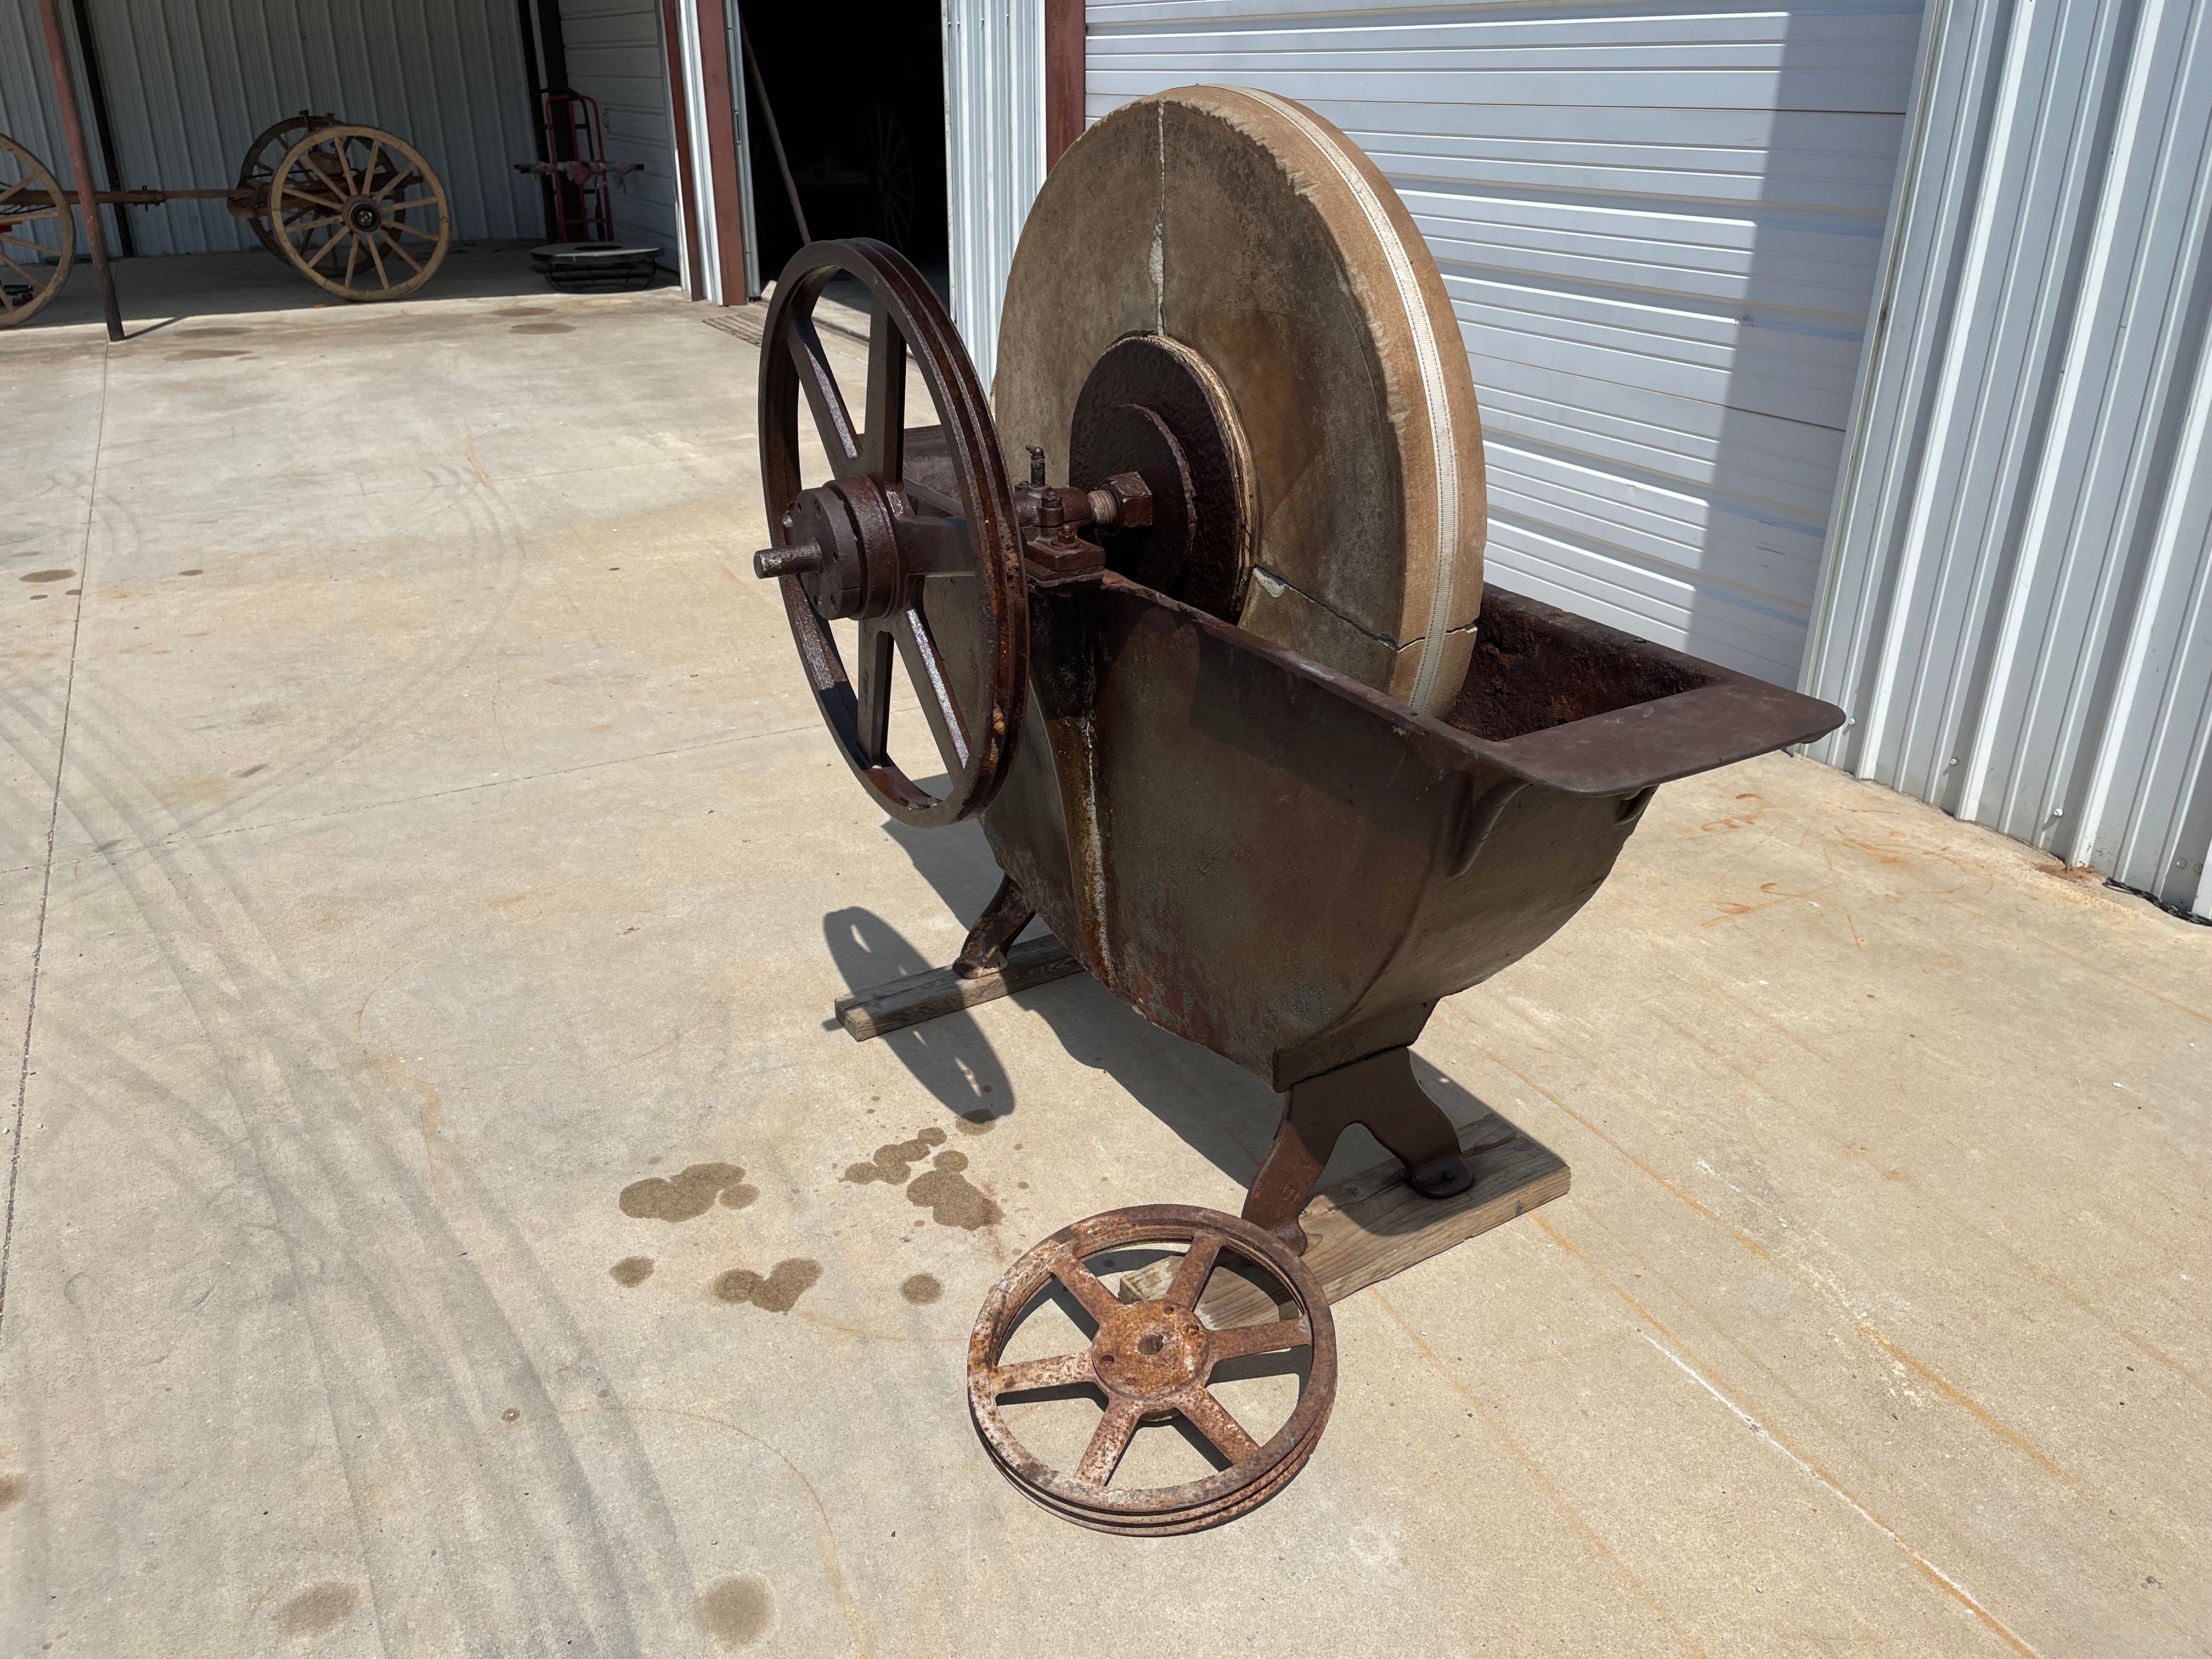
[{"x": 416, "y": 830}]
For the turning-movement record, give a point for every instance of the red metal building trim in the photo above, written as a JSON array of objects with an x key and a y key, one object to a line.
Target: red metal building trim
[
  {"x": 1063, "y": 76},
  {"x": 715, "y": 29},
  {"x": 671, "y": 35}
]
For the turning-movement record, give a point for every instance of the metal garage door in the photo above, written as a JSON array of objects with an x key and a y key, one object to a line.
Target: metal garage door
[
  {"x": 617, "y": 54},
  {"x": 1660, "y": 228},
  {"x": 190, "y": 82}
]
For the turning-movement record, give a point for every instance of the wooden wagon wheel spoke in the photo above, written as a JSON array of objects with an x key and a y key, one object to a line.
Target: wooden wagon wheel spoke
[
  {"x": 35, "y": 285},
  {"x": 268, "y": 151},
  {"x": 340, "y": 173},
  {"x": 1152, "y": 1360}
]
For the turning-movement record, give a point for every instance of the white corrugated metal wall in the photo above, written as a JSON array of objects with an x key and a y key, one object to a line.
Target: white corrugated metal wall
[
  {"x": 994, "y": 153},
  {"x": 617, "y": 55},
  {"x": 190, "y": 82},
  {"x": 1661, "y": 228},
  {"x": 2019, "y": 606}
]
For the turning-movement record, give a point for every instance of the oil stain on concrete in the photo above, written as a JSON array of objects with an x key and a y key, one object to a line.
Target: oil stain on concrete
[
  {"x": 631, "y": 1270},
  {"x": 779, "y": 1292},
  {"x": 952, "y": 1201},
  {"x": 12, "y": 1488},
  {"x": 47, "y": 576},
  {"x": 690, "y": 1192},
  {"x": 922, "y": 1289},
  {"x": 891, "y": 1163},
  {"x": 738, "y": 1612},
  {"x": 542, "y": 328},
  {"x": 318, "y": 1608}
]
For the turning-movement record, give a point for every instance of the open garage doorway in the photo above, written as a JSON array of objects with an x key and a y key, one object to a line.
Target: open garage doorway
[{"x": 857, "y": 99}]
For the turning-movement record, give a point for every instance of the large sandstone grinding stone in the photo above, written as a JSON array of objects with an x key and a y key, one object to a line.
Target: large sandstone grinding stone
[{"x": 1254, "y": 233}]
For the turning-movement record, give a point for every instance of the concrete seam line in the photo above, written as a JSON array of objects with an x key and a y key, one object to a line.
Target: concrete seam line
[
  {"x": 53, "y": 818},
  {"x": 1442, "y": 450}
]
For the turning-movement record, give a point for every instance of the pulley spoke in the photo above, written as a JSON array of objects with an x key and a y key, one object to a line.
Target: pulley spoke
[
  {"x": 323, "y": 252},
  {"x": 1086, "y": 1287},
  {"x": 1241, "y": 1339},
  {"x": 833, "y": 423},
  {"x": 883, "y": 446},
  {"x": 1108, "y": 1441},
  {"x": 382, "y": 277},
  {"x": 392, "y": 245},
  {"x": 353, "y": 258},
  {"x": 1192, "y": 1271},
  {"x": 875, "y": 692},
  {"x": 1061, "y": 1372},
  {"x": 1209, "y": 1417},
  {"x": 926, "y": 664}
]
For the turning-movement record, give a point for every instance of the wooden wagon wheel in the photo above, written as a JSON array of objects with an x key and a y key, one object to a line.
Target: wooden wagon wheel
[
  {"x": 379, "y": 224},
  {"x": 258, "y": 169},
  {"x": 31, "y": 195}
]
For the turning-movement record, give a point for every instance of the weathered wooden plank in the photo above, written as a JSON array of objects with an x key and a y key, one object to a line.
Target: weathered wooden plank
[
  {"x": 940, "y": 991},
  {"x": 1362, "y": 1230}
]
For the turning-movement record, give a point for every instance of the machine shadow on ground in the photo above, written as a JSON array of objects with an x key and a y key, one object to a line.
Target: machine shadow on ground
[{"x": 1215, "y": 1107}]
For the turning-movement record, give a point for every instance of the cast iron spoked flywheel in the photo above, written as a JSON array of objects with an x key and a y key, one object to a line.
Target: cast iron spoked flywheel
[
  {"x": 1152, "y": 1361},
  {"x": 912, "y": 537}
]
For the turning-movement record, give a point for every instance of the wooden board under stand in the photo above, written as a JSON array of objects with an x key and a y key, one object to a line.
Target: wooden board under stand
[
  {"x": 1359, "y": 1230},
  {"x": 1362, "y": 1230},
  {"x": 940, "y": 991}
]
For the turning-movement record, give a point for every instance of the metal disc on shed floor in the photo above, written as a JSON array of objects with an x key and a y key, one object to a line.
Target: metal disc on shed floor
[{"x": 1253, "y": 234}]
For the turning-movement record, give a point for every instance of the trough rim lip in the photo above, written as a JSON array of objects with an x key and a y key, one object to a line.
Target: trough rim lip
[{"x": 1690, "y": 740}]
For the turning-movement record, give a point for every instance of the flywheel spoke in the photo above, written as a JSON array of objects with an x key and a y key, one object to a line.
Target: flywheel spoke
[
  {"x": 883, "y": 446},
  {"x": 1061, "y": 1372},
  {"x": 833, "y": 421},
  {"x": 874, "y": 693},
  {"x": 1270, "y": 1338},
  {"x": 933, "y": 682},
  {"x": 1108, "y": 1441},
  {"x": 1211, "y": 1418},
  {"x": 1192, "y": 1271},
  {"x": 1086, "y": 1286}
]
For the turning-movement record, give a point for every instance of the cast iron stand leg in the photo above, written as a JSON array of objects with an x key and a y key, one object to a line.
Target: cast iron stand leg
[
  {"x": 999, "y": 927},
  {"x": 1379, "y": 1091}
]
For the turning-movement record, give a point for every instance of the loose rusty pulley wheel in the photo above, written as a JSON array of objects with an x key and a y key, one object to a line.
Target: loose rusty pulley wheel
[
  {"x": 259, "y": 170},
  {"x": 38, "y": 234},
  {"x": 930, "y": 569},
  {"x": 1152, "y": 1361},
  {"x": 360, "y": 212}
]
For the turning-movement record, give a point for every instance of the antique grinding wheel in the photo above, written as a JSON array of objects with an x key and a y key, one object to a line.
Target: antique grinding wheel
[
  {"x": 256, "y": 171},
  {"x": 36, "y": 228},
  {"x": 1216, "y": 251},
  {"x": 359, "y": 212},
  {"x": 1152, "y": 1361},
  {"x": 927, "y": 567}
]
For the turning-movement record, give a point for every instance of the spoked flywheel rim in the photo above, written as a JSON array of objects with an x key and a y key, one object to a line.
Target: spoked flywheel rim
[
  {"x": 38, "y": 234},
  {"x": 1152, "y": 1360},
  {"x": 927, "y": 568},
  {"x": 378, "y": 223}
]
